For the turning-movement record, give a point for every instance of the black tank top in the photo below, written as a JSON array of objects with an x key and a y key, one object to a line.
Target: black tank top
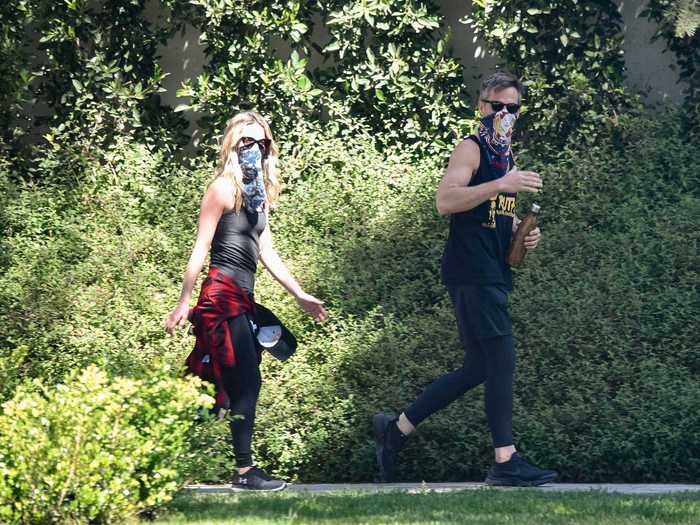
[
  {"x": 234, "y": 248},
  {"x": 479, "y": 238}
]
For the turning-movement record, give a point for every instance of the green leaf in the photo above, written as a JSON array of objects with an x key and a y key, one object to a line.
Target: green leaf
[
  {"x": 564, "y": 40},
  {"x": 303, "y": 83},
  {"x": 182, "y": 107},
  {"x": 77, "y": 85},
  {"x": 379, "y": 94}
]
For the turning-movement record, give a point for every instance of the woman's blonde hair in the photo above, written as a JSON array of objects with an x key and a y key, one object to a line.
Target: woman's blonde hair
[{"x": 228, "y": 157}]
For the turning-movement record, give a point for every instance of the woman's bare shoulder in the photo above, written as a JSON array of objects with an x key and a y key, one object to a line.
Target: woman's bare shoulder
[{"x": 221, "y": 190}]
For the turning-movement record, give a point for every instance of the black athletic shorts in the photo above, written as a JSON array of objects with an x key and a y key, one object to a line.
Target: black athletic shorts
[{"x": 481, "y": 310}]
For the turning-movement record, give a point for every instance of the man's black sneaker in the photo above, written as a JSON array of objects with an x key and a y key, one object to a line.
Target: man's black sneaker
[
  {"x": 388, "y": 441},
  {"x": 256, "y": 479},
  {"x": 517, "y": 472}
]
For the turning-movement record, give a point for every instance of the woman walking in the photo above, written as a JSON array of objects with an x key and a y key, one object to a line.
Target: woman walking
[{"x": 234, "y": 226}]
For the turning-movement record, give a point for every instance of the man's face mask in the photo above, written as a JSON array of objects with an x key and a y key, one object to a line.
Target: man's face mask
[
  {"x": 496, "y": 129},
  {"x": 499, "y": 127}
]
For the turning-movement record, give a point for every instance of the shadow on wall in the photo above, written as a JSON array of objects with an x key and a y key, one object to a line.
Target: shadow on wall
[{"x": 649, "y": 68}]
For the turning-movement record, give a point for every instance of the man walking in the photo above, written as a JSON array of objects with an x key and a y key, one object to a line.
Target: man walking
[{"x": 478, "y": 190}]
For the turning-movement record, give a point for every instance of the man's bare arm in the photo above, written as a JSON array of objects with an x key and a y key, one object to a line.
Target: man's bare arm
[{"x": 454, "y": 195}]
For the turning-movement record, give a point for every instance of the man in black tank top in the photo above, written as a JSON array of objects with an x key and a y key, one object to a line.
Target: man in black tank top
[{"x": 478, "y": 191}]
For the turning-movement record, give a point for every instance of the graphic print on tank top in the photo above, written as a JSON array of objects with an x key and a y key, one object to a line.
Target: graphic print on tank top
[
  {"x": 494, "y": 133},
  {"x": 501, "y": 204}
]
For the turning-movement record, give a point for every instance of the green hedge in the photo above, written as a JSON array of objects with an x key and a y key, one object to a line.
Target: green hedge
[
  {"x": 604, "y": 311},
  {"x": 604, "y": 317},
  {"x": 94, "y": 450}
]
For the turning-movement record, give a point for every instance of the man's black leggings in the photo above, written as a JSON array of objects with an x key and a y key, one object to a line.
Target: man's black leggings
[
  {"x": 242, "y": 383},
  {"x": 489, "y": 357}
]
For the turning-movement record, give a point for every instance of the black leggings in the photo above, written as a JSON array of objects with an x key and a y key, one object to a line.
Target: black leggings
[
  {"x": 242, "y": 383},
  {"x": 490, "y": 360}
]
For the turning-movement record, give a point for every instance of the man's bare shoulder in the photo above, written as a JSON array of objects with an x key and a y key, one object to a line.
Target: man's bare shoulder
[
  {"x": 466, "y": 153},
  {"x": 467, "y": 147}
]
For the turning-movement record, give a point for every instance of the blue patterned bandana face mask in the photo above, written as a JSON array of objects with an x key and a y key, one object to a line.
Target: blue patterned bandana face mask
[{"x": 250, "y": 160}]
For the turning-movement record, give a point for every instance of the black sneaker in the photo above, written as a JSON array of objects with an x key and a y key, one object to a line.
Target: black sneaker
[
  {"x": 517, "y": 472},
  {"x": 256, "y": 479},
  {"x": 388, "y": 444}
]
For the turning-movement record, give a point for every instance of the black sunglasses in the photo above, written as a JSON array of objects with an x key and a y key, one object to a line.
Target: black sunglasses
[
  {"x": 249, "y": 142},
  {"x": 498, "y": 106}
]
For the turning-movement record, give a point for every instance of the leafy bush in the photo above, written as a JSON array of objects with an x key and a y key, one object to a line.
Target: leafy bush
[
  {"x": 384, "y": 64},
  {"x": 14, "y": 72},
  {"x": 604, "y": 311},
  {"x": 84, "y": 265},
  {"x": 94, "y": 450},
  {"x": 604, "y": 315},
  {"x": 570, "y": 56},
  {"x": 84, "y": 71}
]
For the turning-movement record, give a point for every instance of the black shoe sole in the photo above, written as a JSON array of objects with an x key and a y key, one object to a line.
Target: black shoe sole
[
  {"x": 244, "y": 488},
  {"x": 514, "y": 482},
  {"x": 380, "y": 422}
]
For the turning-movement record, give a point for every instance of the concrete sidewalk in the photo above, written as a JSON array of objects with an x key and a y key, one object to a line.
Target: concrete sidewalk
[{"x": 621, "y": 488}]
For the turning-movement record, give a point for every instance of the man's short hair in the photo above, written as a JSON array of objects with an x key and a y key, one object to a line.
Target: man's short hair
[{"x": 498, "y": 81}]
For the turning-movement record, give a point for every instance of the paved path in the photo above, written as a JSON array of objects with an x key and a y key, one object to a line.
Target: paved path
[{"x": 623, "y": 488}]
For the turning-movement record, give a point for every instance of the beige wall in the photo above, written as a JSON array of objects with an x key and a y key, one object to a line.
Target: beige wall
[{"x": 648, "y": 67}]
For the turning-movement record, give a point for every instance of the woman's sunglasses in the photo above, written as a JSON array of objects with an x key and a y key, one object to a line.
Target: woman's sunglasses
[
  {"x": 249, "y": 142},
  {"x": 498, "y": 106}
]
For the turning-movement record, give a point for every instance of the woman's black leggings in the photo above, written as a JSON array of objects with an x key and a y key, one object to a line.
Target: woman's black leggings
[
  {"x": 242, "y": 383},
  {"x": 490, "y": 360}
]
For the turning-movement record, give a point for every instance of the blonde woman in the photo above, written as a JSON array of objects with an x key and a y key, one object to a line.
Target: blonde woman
[{"x": 234, "y": 226}]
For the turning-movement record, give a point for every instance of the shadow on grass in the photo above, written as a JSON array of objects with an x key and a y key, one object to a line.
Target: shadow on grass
[{"x": 523, "y": 506}]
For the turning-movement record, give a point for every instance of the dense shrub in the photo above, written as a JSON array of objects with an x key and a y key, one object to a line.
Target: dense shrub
[
  {"x": 86, "y": 72},
  {"x": 604, "y": 311},
  {"x": 604, "y": 316},
  {"x": 386, "y": 64},
  {"x": 570, "y": 56},
  {"x": 84, "y": 265},
  {"x": 15, "y": 74},
  {"x": 94, "y": 450}
]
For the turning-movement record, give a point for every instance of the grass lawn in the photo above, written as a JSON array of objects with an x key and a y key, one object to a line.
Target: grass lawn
[{"x": 482, "y": 506}]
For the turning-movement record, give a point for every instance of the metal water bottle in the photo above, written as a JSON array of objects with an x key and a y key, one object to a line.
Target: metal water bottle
[{"x": 516, "y": 251}]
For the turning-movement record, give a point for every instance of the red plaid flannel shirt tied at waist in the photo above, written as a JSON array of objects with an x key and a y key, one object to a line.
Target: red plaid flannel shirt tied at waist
[{"x": 219, "y": 300}]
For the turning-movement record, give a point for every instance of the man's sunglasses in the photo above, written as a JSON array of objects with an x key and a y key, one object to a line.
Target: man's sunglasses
[
  {"x": 498, "y": 106},
  {"x": 249, "y": 142}
]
